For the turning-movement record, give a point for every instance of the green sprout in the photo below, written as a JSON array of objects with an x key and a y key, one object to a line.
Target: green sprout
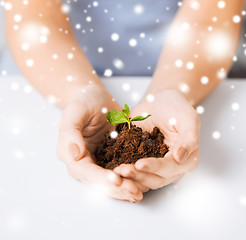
[{"x": 116, "y": 117}]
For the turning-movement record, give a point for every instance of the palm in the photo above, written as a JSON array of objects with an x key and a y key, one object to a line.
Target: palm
[
  {"x": 94, "y": 132},
  {"x": 166, "y": 116}
]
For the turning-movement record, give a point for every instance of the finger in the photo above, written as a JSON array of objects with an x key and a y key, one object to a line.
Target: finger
[
  {"x": 185, "y": 145},
  {"x": 71, "y": 145},
  {"x": 115, "y": 186},
  {"x": 149, "y": 180},
  {"x": 141, "y": 187},
  {"x": 173, "y": 179},
  {"x": 167, "y": 167},
  {"x": 128, "y": 172}
]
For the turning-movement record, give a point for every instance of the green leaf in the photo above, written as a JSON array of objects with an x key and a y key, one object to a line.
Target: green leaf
[
  {"x": 139, "y": 118},
  {"x": 126, "y": 110},
  {"x": 116, "y": 117}
]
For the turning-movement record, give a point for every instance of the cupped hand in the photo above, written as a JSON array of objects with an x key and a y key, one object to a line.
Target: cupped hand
[
  {"x": 180, "y": 124},
  {"x": 82, "y": 127}
]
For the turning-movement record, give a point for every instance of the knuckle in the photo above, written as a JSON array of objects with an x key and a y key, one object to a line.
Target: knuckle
[{"x": 129, "y": 171}]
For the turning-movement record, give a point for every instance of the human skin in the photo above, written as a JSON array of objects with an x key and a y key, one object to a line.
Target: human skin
[
  {"x": 49, "y": 75},
  {"x": 208, "y": 61}
]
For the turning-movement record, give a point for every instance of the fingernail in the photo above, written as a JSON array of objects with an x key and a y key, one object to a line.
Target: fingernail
[
  {"x": 182, "y": 154},
  {"x": 75, "y": 151}
]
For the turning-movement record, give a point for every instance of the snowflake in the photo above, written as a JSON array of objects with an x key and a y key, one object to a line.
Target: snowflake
[
  {"x": 115, "y": 37},
  {"x": 52, "y": 99},
  {"x": 16, "y": 27},
  {"x": 236, "y": 19},
  {"x": 195, "y": 5},
  {"x": 55, "y": 56},
  {"x": 183, "y": 87},
  {"x": 221, "y": 4},
  {"x": 133, "y": 42},
  {"x": 14, "y": 86},
  {"x": 126, "y": 86},
  {"x": 108, "y": 73},
  {"x": 190, "y": 65},
  {"x": 200, "y": 109},
  {"x": 65, "y": 8},
  {"x": 69, "y": 78},
  {"x": 235, "y": 106},
  {"x": 77, "y": 26},
  {"x": 29, "y": 62},
  {"x": 204, "y": 80},
  {"x": 17, "y": 17},
  {"x": 28, "y": 89},
  {"x": 88, "y": 19},
  {"x": 70, "y": 56},
  {"x": 100, "y": 49},
  {"x": 43, "y": 39},
  {"x": 95, "y": 4},
  {"x": 234, "y": 59},
  {"x": 185, "y": 26},
  {"x": 138, "y": 9},
  {"x": 218, "y": 44},
  {"x": 216, "y": 135},
  {"x": 172, "y": 121},
  {"x": 8, "y": 6},
  {"x": 221, "y": 74},
  {"x": 178, "y": 63},
  {"x": 25, "y": 46},
  {"x": 150, "y": 98},
  {"x": 114, "y": 134},
  {"x": 4, "y": 73},
  {"x": 214, "y": 19},
  {"x": 104, "y": 110},
  {"x": 118, "y": 63},
  {"x": 142, "y": 35}
]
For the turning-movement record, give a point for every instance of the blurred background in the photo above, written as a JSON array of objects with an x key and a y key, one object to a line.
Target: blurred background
[{"x": 7, "y": 65}]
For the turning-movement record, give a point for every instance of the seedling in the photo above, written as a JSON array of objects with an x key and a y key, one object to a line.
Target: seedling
[{"x": 116, "y": 117}]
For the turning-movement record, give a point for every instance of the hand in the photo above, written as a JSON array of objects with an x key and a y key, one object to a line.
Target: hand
[
  {"x": 180, "y": 124},
  {"x": 82, "y": 127}
]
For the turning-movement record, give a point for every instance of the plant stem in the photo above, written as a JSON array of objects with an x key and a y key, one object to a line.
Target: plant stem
[{"x": 129, "y": 124}]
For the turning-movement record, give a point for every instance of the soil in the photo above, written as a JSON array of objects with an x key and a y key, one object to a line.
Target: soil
[{"x": 129, "y": 146}]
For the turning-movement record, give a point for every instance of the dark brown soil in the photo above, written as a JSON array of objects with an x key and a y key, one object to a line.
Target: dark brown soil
[{"x": 129, "y": 146}]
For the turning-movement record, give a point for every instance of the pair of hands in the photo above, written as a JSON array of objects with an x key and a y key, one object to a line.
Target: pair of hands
[{"x": 82, "y": 128}]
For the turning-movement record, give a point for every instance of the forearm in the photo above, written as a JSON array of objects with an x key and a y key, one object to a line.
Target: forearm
[
  {"x": 47, "y": 52},
  {"x": 198, "y": 46}
]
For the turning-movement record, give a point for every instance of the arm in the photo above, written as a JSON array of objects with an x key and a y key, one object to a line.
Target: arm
[
  {"x": 53, "y": 73},
  {"x": 191, "y": 39},
  {"x": 82, "y": 125},
  {"x": 209, "y": 51}
]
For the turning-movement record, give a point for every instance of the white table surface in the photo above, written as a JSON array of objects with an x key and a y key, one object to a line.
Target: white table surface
[{"x": 38, "y": 200}]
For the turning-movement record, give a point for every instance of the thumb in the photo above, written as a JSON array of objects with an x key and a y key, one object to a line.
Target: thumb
[
  {"x": 185, "y": 145},
  {"x": 77, "y": 148},
  {"x": 71, "y": 126}
]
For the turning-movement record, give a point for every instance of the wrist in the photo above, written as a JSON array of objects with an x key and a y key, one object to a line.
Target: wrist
[
  {"x": 78, "y": 91},
  {"x": 162, "y": 83}
]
